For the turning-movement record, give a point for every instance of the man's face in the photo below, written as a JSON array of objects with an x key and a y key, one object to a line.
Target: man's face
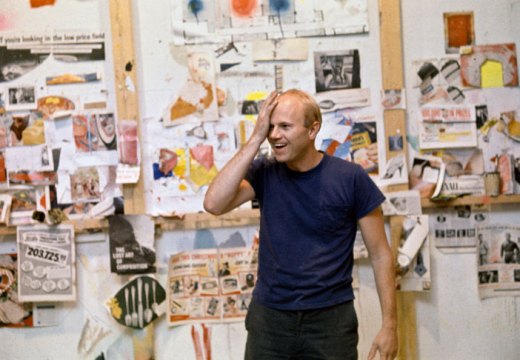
[{"x": 289, "y": 138}]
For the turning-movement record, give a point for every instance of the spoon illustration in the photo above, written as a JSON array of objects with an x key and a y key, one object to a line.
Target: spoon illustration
[
  {"x": 128, "y": 318},
  {"x": 134, "y": 313},
  {"x": 155, "y": 306},
  {"x": 148, "y": 314}
]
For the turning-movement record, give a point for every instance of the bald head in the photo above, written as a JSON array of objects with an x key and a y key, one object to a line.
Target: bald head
[{"x": 311, "y": 109}]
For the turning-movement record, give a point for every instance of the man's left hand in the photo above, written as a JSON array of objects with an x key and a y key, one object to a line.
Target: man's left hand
[{"x": 386, "y": 343}]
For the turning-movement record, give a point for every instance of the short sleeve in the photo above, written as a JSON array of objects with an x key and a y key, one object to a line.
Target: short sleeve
[
  {"x": 253, "y": 175},
  {"x": 366, "y": 194}
]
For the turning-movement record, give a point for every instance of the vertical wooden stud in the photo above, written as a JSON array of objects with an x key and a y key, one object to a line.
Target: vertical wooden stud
[
  {"x": 121, "y": 22},
  {"x": 392, "y": 72},
  {"x": 126, "y": 87}
]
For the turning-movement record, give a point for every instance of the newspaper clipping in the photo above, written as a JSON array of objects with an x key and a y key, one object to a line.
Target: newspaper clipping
[
  {"x": 499, "y": 260},
  {"x": 455, "y": 227},
  {"x": 213, "y": 285},
  {"x": 46, "y": 263}
]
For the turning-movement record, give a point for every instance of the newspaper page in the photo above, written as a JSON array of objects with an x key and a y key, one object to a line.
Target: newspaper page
[
  {"x": 499, "y": 260},
  {"x": 46, "y": 264},
  {"x": 455, "y": 227},
  {"x": 210, "y": 285}
]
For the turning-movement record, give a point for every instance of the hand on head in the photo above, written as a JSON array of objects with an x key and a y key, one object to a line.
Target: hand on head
[{"x": 264, "y": 116}]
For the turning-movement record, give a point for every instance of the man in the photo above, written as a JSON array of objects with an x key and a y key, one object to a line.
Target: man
[
  {"x": 509, "y": 250},
  {"x": 310, "y": 206}
]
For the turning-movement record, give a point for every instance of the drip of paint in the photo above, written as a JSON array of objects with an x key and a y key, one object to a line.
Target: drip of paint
[
  {"x": 279, "y": 5},
  {"x": 243, "y": 7}
]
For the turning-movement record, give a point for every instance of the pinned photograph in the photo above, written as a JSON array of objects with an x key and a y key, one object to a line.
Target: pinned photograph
[
  {"x": 21, "y": 98},
  {"x": 402, "y": 203},
  {"x": 337, "y": 70},
  {"x": 85, "y": 185},
  {"x": 55, "y": 106},
  {"x": 393, "y": 99}
]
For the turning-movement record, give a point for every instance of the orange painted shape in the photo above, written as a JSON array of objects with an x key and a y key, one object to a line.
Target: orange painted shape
[
  {"x": 39, "y": 3},
  {"x": 243, "y": 7}
]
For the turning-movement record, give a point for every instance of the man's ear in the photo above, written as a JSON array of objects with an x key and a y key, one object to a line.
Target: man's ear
[{"x": 314, "y": 130}]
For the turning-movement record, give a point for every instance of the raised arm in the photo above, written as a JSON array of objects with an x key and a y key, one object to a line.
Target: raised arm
[
  {"x": 373, "y": 231},
  {"x": 229, "y": 189}
]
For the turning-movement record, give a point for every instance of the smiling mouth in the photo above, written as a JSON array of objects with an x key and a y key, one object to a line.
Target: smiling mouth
[{"x": 279, "y": 146}]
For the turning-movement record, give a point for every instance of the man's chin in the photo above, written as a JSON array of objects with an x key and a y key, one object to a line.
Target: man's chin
[{"x": 279, "y": 158}]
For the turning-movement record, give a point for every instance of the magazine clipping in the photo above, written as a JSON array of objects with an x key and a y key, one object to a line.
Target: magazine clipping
[
  {"x": 211, "y": 285},
  {"x": 498, "y": 257}
]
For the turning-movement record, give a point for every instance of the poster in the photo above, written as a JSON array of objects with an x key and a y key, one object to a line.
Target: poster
[
  {"x": 131, "y": 244},
  {"x": 47, "y": 263}
]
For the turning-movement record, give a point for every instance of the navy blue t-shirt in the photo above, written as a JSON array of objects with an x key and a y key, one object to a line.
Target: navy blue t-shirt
[{"x": 308, "y": 225}]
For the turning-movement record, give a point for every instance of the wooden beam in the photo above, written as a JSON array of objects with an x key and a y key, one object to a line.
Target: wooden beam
[
  {"x": 407, "y": 330},
  {"x": 395, "y": 123},
  {"x": 126, "y": 87}
]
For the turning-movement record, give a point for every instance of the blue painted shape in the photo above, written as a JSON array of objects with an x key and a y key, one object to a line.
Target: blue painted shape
[
  {"x": 157, "y": 174},
  {"x": 195, "y": 6},
  {"x": 279, "y": 5}
]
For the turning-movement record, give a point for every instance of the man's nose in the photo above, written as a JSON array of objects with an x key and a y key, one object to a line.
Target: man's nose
[{"x": 273, "y": 132}]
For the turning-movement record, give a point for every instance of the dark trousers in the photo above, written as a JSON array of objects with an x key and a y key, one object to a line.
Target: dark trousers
[{"x": 327, "y": 334}]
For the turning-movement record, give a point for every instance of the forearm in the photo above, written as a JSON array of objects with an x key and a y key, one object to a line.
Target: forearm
[
  {"x": 384, "y": 273},
  {"x": 222, "y": 193}
]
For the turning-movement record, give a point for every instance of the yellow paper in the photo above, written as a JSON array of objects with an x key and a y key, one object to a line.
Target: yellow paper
[{"x": 491, "y": 74}]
